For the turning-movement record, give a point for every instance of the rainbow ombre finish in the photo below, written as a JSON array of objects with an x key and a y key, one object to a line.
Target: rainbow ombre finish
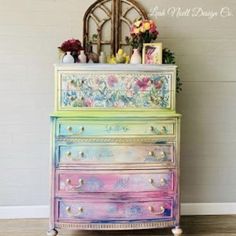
[{"x": 115, "y": 148}]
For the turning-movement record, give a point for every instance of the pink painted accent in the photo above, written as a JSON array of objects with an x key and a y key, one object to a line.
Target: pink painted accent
[{"x": 105, "y": 181}]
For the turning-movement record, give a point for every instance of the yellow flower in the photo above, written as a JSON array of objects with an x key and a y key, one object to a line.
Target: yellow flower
[
  {"x": 142, "y": 29},
  {"x": 138, "y": 23},
  {"x": 147, "y": 26},
  {"x": 120, "y": 51}
]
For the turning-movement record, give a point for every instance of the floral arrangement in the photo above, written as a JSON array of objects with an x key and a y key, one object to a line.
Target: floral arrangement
[
  {"x": 120, "y": 57},
  {"x": 71, "y": 45},
  {"x": 142, "y": 31}
]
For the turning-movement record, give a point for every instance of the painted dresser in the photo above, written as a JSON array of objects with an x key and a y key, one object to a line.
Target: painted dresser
[{"x": 115, "y": 148}]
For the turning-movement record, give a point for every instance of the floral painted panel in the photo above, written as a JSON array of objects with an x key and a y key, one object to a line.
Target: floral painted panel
[
  {"x": 120, "y": 90},
  {"x": 83, "y": 209}
]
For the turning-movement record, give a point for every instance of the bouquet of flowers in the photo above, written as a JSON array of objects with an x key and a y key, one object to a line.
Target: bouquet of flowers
[
  {"x": 71, "y": 45},
  {"x": 142, "y": 31}
]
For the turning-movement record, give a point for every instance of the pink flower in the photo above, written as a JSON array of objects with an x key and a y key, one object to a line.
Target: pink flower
[
  {"x": 143, "y": 84},
  {"x": 158, "y": 84},
  {"x": 88, "y": 102},
  {"x": 112, "y": 80}
]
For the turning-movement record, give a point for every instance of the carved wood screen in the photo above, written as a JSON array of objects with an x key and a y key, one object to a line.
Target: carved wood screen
[{"x": 110, "y": 17}]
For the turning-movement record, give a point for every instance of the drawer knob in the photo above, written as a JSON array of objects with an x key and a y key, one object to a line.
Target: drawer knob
[
  {"x": 163, "y": 154},
  {"x": 68, "y": 209},
  {"x": 82, "y": 129},
  {"x": 69, "y": 128},
  {"x": 80, "y": 209},
  {"x": 152, "y": 128},
  {"x": 81, "y": 154},
  {"x": 160, "y": 212},
  {"x": 163, "y": 182},
  {"x": 151, "y": 181},
  {"x": 151, "y": 153},
  {"x": 68, "y": 154},
  {"x": 164, "y": 130}
]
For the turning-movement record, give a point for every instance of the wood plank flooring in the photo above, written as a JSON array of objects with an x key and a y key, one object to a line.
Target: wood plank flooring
[{"x": 192, "y": 225}]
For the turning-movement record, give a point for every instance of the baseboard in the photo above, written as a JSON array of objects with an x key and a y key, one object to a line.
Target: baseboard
[
  {"x": 208, "y": 208},
  {"x": 24, "y": 212}
]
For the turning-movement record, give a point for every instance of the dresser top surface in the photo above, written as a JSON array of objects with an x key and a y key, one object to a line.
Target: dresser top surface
[
  {"x": 115, "y": 114},
  {"x": 117, "y": 67}
]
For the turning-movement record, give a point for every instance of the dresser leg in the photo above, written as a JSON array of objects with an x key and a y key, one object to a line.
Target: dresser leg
[
  {"x": 177, "y": 231},
  {"x": 52, "y": 232}
]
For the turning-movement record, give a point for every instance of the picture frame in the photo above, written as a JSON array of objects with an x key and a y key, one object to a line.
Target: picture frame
[{"x": 152, "y": 53}]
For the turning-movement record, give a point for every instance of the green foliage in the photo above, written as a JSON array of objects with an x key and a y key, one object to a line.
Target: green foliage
[{"x": 169, "y": 58}]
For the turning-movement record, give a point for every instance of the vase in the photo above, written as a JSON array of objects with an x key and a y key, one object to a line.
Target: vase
[
  {"x": 136, "y": 57},
  {"x": 92, "y": 56},
  {"x": 67, "y": 59},
  {"x": 102, "y": 58},
  {"x": 82, "y": 57}
]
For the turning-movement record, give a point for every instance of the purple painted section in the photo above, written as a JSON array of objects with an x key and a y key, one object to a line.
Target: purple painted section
[
  {"x": 100, "y": 210},
  {"x": 110, "y": 154},
  {"x": 77, "y": 182}
]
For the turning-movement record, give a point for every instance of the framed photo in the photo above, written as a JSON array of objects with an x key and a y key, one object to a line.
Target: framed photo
[{"x": 152, "y": 53}]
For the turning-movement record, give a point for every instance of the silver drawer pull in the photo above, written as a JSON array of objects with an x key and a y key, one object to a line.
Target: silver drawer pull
[
  {"x": 160, "y": 131},
  {"x": 160, "y": 212},
  {"x": 70, "y": 213},
  {"x": 162, "y": 183},
  {"x": 70, "y": 129},
  {"x": 69, "y": 155},
  {"x": 159, "y": 157},
  {"x": 81, "y": 182}
]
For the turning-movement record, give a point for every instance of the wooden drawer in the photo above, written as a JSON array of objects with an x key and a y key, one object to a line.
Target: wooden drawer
[
  {"x": 103, "y": 128},
  {"x": 92, "y": 153},
  {"x": 97, "y": 211},
  {"x": 118, "y": 90},
  {"x": 69, "y": 182}
]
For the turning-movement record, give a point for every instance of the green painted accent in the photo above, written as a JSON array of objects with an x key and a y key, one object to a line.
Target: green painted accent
[{"x": 115, "y": 114}]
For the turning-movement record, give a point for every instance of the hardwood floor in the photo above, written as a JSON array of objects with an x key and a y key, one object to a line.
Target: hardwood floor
[{"x": 191, "y": 225}]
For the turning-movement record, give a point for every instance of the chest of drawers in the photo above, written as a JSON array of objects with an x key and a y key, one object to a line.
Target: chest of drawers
[{"x": 115, "y": 148}]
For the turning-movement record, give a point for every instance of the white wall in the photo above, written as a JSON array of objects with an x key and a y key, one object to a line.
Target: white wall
[{"x": 31, "y": 31}]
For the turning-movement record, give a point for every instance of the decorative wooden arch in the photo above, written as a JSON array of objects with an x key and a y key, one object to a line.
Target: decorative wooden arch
[{"x": 117, "y": 14}]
